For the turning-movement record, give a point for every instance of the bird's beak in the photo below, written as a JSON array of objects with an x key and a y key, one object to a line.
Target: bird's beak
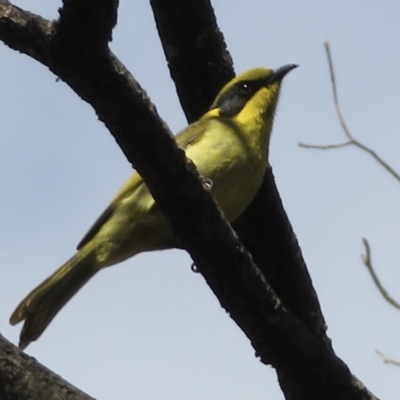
[{"x": 280, "y": 73}]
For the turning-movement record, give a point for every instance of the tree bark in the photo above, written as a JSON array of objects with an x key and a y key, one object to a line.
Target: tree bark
[{"x": 22, "y": 377}]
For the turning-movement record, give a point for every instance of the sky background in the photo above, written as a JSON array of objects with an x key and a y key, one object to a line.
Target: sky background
[{"x": 150, "y": 328}]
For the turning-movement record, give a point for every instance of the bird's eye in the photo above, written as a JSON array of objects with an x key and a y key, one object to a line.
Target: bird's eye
[{"x": 244, "y": 88}]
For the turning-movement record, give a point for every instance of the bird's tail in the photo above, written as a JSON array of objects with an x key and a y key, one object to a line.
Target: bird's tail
[{"x": 41, "y": 305}]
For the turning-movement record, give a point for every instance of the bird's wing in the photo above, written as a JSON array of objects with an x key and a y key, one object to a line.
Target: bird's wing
[
  {"x": 188, "y": 137},
  {"x": 191, "y": 135},
  {"x": 132, "y": 184}
]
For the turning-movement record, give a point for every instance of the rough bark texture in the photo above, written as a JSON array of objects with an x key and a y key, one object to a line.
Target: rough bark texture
[
  {"x": 22, "y": 377},
  {"x": 264, "y": 228},
  {"x": 195, "y": 51},
  {"x": 274, "y": 303}
]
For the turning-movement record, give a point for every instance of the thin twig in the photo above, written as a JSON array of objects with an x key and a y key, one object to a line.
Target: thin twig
[
  {"x": 366, "y": 258},
  {"x": 387, "y": 360},
  {"x": 346, "y": 130},
  {"x": 326, "y": 147},
  {"x": 383, "y": 163},
  {"x": 344, "y": 126}
]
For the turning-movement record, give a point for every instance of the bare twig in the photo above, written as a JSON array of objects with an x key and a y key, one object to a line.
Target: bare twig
[
  {"x": 366, "y": 258},
  {"x": 346, "y": 130},
  {"x": 335, "y": 94},
  {"x": 387, "y": 360},
  {"x": 325, "y": 147}
]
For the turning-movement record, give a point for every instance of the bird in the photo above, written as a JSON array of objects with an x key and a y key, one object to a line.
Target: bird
[{"x": 229, "y": 145}]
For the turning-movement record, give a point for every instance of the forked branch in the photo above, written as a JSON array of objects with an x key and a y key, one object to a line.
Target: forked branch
[{"x": 351, "y": 140}]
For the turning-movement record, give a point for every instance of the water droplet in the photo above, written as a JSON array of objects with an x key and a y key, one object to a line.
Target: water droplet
[{"x": 194, "y": 268}]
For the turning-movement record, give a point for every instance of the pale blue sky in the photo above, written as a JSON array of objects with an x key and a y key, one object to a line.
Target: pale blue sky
[{"x": 150, "y": 328}]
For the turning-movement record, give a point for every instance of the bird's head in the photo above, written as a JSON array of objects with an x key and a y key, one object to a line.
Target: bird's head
[{"x": 253, "y": 93}]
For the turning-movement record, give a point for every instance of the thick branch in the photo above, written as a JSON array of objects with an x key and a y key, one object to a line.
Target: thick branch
[
  {"x": 264, "y": 228},
  {"x": 86, "y": 25},
  {"x": 194, "y": 47},
  {"x": 26, "y": 32},
  {"x": 267, "y": 233},
  {"x": 22, "y": 377}
]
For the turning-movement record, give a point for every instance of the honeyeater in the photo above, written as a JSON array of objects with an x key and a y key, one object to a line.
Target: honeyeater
[{"x": 229, "y": 146}]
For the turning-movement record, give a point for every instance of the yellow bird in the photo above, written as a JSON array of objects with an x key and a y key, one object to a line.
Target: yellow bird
[{"x": 229, "y": 146}]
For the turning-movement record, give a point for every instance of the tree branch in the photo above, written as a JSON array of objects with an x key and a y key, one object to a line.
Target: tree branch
[
  {"x": 264, "y": 228},
  {"x": 265, "y": 233},
  {"x": 366, "y": 258},
  {"x": 86, "y": 25},
  {"x": 22, "y": 377},
  {"x": 25, "y": 32},
  {"x": 346, "y": 130},
  {"x": 195, "y": 50},
  {"x": 387, "y": 360}
]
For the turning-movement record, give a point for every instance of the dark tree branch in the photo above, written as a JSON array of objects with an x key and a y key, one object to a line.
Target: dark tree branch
[
  {"x": 87, "y": 22},
  {"x": 298, "y": 349},
  {"x": 267, "y": 233},
  {"x": 22, "y": 377},
  {"x": 25, "y": 32},
  {"x": 264, "y": 228},
  {"x": 196, "y": 52}
]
